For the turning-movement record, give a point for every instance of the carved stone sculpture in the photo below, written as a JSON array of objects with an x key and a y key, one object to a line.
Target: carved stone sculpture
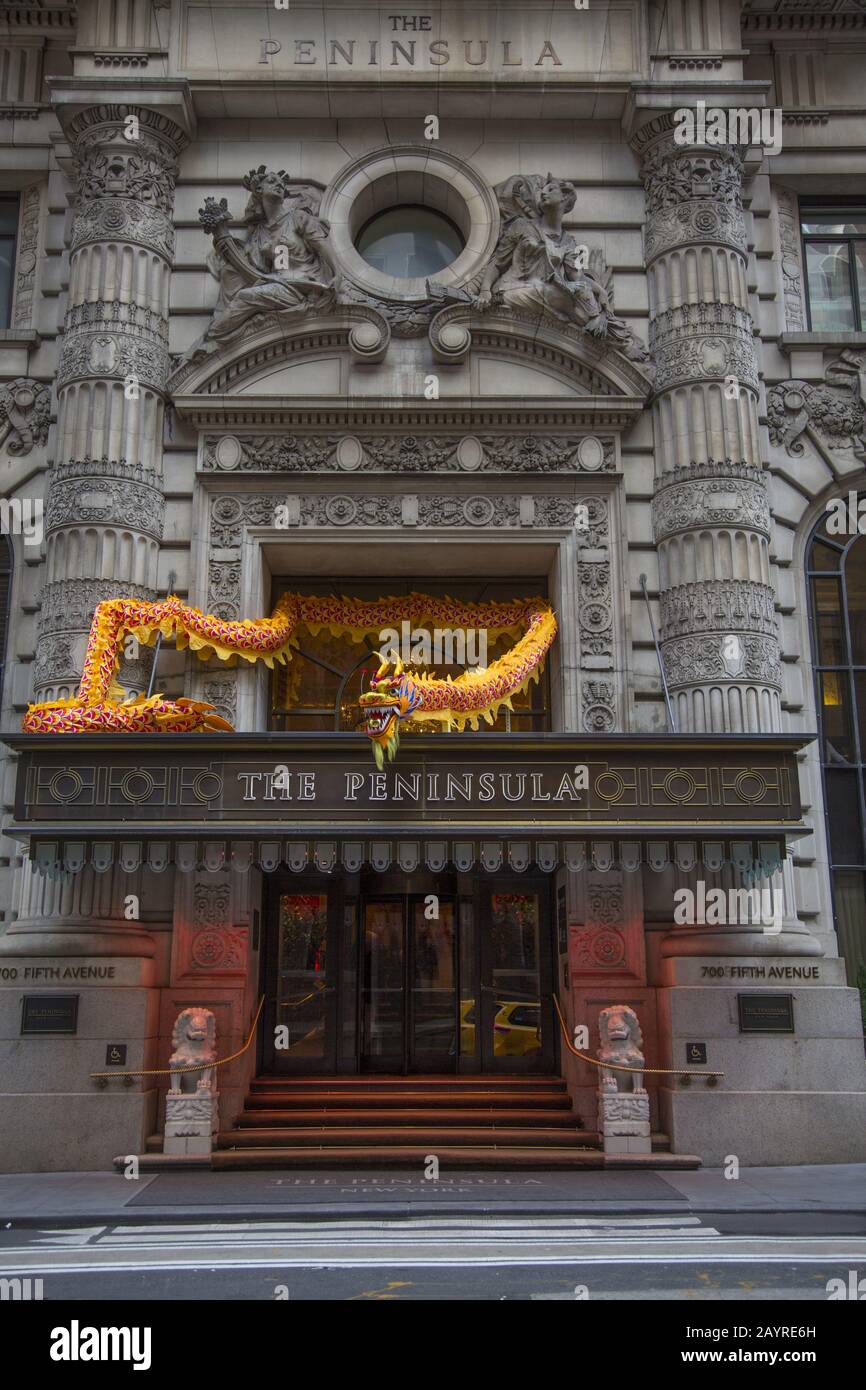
[
  {"x": 25, "y": 410},
  {"x": 835, "y": 411},
  {"x": 283, "y": 265},
  {"x": 623, "y": 1103},
  {"x": 538, "y": 267},
  {"x": 192, "y": 1102}
]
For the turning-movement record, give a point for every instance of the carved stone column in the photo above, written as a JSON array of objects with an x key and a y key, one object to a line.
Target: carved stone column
[
  {"x": 711, "y": 518},
  {"x": 105, "y": 510},
  {"x": 711, "y": 514},
  {"x": 105, "y": 507}
]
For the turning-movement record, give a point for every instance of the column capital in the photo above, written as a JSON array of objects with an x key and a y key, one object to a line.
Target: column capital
[{"x": 164, "y": 107}]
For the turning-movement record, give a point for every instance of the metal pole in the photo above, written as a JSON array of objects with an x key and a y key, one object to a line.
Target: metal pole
[
  {"x": 668, "y": 705},
  {"x": 171, "y": 582}
]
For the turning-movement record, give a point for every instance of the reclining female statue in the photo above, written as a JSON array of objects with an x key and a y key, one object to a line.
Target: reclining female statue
[
  {"x": 284, "y": 264},
  {"x": 539, "y": 267}
]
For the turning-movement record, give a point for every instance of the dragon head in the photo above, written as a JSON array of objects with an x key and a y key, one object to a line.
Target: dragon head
[{"x": 390, "y": 699}]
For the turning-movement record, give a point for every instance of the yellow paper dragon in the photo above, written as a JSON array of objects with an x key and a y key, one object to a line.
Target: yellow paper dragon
[{"x": 396, "y": 697}]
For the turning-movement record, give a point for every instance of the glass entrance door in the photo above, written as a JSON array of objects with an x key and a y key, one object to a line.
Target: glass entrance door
[
  {"x": 516, "y": 1009},
  {"x": 409, "y": 985},
  {"x": 300, "y": 1015}
]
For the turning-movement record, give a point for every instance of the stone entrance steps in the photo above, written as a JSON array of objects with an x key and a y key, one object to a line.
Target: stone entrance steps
[
  {"x": 473, "y": 1122},
  {"x": 509, "y": 1121}
]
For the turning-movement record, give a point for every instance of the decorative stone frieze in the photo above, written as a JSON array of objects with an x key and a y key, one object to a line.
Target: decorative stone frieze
[
  {"x": 229, "y": 513},
  {"x": 710, "y": 495},
  {"x": 408, "y": 453},
  {"x": 68, "y": 604},
  {"x": 719, "y": 606},
  {"x": 709, "y": 341},
  {"x": 98, "y": 490},
  {"x": 690, "y": 661}
]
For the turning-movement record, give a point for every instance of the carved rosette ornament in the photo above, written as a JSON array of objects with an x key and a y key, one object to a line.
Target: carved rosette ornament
[
  {"x": 111, "y": 383},
  {"x": 711, "y": 517}
]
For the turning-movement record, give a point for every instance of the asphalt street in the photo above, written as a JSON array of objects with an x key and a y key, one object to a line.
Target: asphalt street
[{"x": 547, "y": 1258}]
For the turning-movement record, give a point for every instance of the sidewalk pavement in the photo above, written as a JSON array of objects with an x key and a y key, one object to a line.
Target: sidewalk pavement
[{"x": 76, "y": 1199}]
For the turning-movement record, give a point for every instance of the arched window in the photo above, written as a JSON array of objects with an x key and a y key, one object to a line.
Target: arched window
[
  {"x": 5, "y": 596},
  {"x": 836, "y": 568}
]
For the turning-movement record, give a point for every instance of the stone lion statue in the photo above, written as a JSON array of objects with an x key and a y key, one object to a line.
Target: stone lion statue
[
  {"x": 193, "y": 1042},
  {"x": 621, "y": 1042}
]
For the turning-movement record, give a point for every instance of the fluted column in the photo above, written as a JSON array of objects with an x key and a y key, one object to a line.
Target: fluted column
[
  {"x": 104, "y": 518},
  {"x": 711, "y": 514},
  {"x": 105, "y": 508},
  {"x": 711, "y": 517}
]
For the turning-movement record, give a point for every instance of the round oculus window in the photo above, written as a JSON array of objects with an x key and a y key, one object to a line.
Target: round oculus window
[{"x": 409, "y": 242}]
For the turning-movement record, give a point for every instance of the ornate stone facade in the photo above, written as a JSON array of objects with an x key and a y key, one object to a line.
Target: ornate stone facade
[{"x": 568, "y": 403}]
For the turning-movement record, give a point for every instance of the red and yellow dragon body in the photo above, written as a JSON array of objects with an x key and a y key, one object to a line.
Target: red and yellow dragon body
[{"x": 396, "y": 696}]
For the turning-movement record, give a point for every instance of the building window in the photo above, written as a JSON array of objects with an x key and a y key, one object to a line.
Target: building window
[
  {"x": 5, "y": 596},
  {"x": 319, "y": 689},
  {"x": 409, "y": 242},
  {"x": 834, "y": 246},
  {"x": 837, "y": 584},
  {"x": 8, "y": 237}
]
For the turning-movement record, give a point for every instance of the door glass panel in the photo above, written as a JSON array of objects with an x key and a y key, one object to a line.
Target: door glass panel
[
  {"x": 515, "y": 921},
  {"x": 302, "y": 973},
  {"x": 348, "y": 1025},
  {"x": 468, "y": 982},
  {"x": 383, "y": 982},
  {"x": 434, "y": 1020}
]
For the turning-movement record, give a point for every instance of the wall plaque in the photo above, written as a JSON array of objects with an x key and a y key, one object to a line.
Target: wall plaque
[
  {"x": 696, "y": 1053},
  {"x": 115, "y": 1055},
  {"x": 49, "y": 1013},
  {"x": 766, "y": 1013}
]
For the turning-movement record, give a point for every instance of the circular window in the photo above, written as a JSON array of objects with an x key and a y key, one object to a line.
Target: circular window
[{"x": 409, "y": 242}]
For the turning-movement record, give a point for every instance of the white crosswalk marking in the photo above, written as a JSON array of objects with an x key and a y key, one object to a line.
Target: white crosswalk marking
[{"x": 420, "y": 1242}]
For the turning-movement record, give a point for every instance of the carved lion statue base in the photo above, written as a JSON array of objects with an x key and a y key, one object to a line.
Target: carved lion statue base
[
  {"x": 623, "y": 1103},
  {"x": 192, "y": 1102}
]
